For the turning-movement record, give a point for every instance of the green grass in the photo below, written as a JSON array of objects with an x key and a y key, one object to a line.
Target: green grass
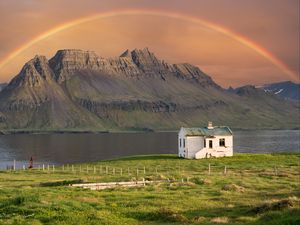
[{"x": 262, "y": 180}]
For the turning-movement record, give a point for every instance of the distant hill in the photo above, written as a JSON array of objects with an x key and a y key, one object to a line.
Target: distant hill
[
  {"x": 286, "y": 90},
  {"x": 78, "y": 90}
]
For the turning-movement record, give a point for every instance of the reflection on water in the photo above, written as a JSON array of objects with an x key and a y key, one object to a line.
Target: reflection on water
[{"x": 73, "y": 148}]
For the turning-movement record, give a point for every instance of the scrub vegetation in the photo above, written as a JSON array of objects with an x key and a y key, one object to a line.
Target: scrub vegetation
[{"x": 256, "y": 189}]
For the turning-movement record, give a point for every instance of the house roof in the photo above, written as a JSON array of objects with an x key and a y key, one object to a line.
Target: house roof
[{"x": 204, "y": 131}]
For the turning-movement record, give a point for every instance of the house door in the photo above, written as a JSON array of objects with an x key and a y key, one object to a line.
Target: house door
[{"x": 210, "y": 144}]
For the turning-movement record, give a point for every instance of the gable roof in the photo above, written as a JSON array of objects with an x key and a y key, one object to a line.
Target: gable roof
[{"x": 204, "y": 131}]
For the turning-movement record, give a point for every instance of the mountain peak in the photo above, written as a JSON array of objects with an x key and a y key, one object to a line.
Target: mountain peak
[
  {"x": 143, "y": 53},
  {"x": 67, "y": 61},
  {"x": 40, "y": 58},
  {"x": 145, "y": 60},
  {"x": 125, "y": 54},
  {"x": 33, "y": 73},
  {"x": 75, "y": 55}
]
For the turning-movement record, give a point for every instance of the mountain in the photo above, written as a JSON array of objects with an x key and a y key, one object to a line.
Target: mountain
[
  {"x": 2, "y": 86},
  {"x": 287, "y": 90},
  {"x": 79, "y": 91}
]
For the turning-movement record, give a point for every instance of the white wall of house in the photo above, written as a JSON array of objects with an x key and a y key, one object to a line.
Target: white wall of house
[
  {"x": 193, "y": 146},
  {"x": 216, "y": 150}
]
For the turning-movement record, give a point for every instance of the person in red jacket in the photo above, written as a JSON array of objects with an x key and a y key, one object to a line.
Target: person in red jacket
[{"x": 30, "y": 163}]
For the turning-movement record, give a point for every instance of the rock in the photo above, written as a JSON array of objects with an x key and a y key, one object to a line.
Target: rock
[
  {"x": 34, "y": 73},
  {"x": 66, "y": 62},
  {"x": 233, "y": 187}
]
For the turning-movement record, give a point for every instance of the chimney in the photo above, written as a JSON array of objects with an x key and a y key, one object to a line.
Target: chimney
[{"x": 210, "y": 125}]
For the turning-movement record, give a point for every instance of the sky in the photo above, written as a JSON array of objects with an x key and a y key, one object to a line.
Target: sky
[{"x": 236, "y": 42}]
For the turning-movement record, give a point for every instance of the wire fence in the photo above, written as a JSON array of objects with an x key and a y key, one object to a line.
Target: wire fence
[{"x": 143, "y": 171}]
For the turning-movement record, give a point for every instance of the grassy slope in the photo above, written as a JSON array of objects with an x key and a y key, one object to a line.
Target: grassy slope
[{"x": 35, "y": 197}]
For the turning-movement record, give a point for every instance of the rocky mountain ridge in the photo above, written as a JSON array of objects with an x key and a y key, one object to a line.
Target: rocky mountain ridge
[
  {"x": 287, "y": 90},
  {"x": 78, "y": 90}
]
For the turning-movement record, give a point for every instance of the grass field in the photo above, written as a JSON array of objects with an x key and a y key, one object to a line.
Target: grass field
[{"x": 256, "y": 189}]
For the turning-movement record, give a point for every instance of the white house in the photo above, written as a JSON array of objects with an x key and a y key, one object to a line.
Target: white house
[{"x": 205, "y": 142}]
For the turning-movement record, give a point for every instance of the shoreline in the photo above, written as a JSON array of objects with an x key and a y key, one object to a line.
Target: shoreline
[{"x": 17, "y": 132}]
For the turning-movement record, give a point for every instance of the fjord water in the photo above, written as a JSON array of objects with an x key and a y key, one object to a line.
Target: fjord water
[{"x": 74, "y": 148}]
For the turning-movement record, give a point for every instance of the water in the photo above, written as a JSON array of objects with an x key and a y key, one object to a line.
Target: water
[{"x": 74, "y": 148}]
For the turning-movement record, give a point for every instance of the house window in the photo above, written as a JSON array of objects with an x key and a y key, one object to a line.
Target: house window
[
  {"x": 222, "y": 142},
  {"x": 184, "y": 143},
  {"x": 210, "y": 144},
  {"x": 204, "y": 143},
  {"x": 180, "y": 142}
]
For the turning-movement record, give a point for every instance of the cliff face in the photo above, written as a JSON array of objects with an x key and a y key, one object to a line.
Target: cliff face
[
  {"x": 137, "y": 64},
  {"x": 79, "y": 90}
]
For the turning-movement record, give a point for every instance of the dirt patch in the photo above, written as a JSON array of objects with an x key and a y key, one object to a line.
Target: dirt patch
[
  {"x": 273, "y": 206},
  {"x": 199, "y": 219},
  {"x": 207, "y": 182},
  {"x": 233, "y": 187},
  {"x": 200, "y": 181},
  {"x": 219, "y": 220}
]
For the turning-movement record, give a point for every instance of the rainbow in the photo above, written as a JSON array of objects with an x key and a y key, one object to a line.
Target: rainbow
[{"x": 147, "y": 12}]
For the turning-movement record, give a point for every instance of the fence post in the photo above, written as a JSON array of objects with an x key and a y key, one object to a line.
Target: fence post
[
  {"x": 53, "y": 168},
  {"x": 14, "y": 164},
  {"x": 144, "y": 170},
  {"x": 121, "y": 171},
  {"x": 225, "y": 170},
  {"x": 23, "y": 167},
  {"x": 43, "y": 167},
  {"x": 87, "y": 169},
  {"x": 209, "y": 169},
  {"x": 48, "y": 167}
]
